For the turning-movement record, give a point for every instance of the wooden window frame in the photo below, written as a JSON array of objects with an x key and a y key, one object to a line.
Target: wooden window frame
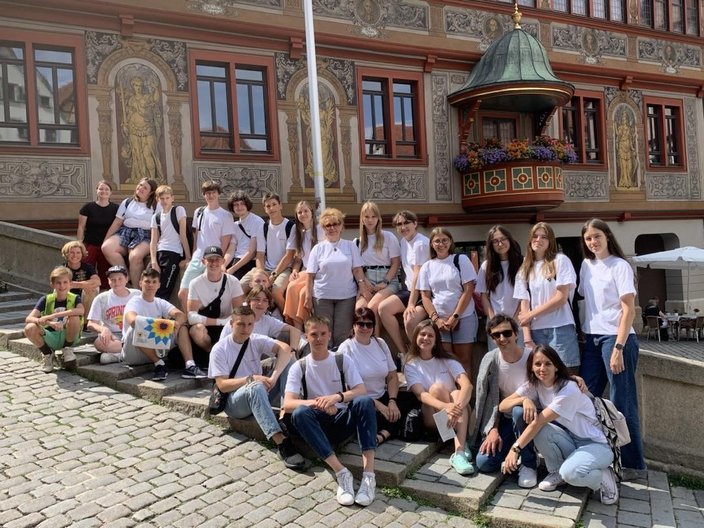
[
  {"x": 662, "y": 103},
  {"x": 495, "y": 114},
  {"x": 232, "y": 61},
  {"x": 581, "y": 163},
  {"x": 686, "y": 4},
  {"x": 29, "y": 40},
  {"x": 418, "y": 108},
  {"x": 590, "y": 10}
]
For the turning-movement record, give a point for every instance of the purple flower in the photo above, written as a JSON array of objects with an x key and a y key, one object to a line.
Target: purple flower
[
  {"x": 544, "y": 153},
  {"x": 492, "y": 156}
]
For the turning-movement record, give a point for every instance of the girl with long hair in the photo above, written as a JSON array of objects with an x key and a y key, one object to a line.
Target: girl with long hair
[
  {"x": 611, "y": 349},
  {"x": 545, "y": 285},
  {"x": 566, "y": 432}
]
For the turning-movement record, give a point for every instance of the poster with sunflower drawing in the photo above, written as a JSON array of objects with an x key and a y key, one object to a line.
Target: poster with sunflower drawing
[{"x": 157, "y": 334}]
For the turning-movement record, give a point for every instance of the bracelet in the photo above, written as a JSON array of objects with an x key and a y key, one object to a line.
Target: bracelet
[
  {"x": 434, "y": 314},
  {"x": 342, "y": 397},
  {"x": 360, "y": 281},
  {"x": 392, "y": 400}
]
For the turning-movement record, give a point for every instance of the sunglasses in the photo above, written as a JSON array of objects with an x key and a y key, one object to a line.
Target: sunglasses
[
  {"x": 329, "y": 226},
  {"x": 503, "y": 333},
  {"x": 365, "y": 324},
  {"x": 403, "y": 223}
]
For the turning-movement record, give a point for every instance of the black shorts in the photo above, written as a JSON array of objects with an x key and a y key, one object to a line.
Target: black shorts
[
  {"x": 214, "y": 332},
  {"x": 405, "y": 294}
]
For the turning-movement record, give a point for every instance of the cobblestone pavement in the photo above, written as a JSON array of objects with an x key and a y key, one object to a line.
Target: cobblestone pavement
[{"x": 75, "y": 453}]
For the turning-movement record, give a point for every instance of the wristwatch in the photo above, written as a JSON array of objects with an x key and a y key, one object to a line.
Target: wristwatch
[
  {"x": 516, "y": 448},
  {"x": 250, "y": 379},
  {"x": 455, "y": 316},
  {"x": 618, "y": 346}
]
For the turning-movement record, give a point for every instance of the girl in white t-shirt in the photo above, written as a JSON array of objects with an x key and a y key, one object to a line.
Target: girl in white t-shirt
[
  {"x": 446, "y": 283},
  {"x": 440, "y": 383},
  {"x": 575, "y": 449},
  {"x": 381, "y": 254},
  {"x": 307, "y": 236},
  {"x": 415, "y": 251},
  {"x": 130, "y": 232},
  {"x": 373, "y": 359},
  {"x": 611, "y": 348},
  {"x": 545, "y": 285}
]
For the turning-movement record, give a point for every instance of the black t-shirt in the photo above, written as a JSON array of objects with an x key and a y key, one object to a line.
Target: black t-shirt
[
  {"x": 83, "y": 273},
  {"x": 651, "y": 311},
  {"x": 99, "y": 221}
]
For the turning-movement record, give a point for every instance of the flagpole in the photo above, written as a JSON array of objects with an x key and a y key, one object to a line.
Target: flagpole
[{"x": 314, "y": 106}]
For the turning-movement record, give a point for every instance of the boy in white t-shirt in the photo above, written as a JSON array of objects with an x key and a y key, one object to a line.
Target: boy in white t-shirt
[
  {"x": 168, "y": 246},
  {"x": 328, "y": 405},
  {"x": 212, "y": 226},
  {"x": 246, "y": 238},
  {"x": 106, "y": 315},
  {"x": 149, "y": 305}
]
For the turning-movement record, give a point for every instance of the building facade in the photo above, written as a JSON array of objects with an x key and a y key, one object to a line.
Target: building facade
[{"x": 188, "y": 90}]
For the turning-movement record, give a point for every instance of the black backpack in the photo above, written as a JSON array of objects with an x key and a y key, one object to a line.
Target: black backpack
[
  {"x": 339, "y": 359},
  {"x": 289, "y": 227},
  {"x": 174, "y": 222}
]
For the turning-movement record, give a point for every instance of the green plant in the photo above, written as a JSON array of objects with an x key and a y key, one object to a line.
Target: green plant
[{"x": 686, "y": 481}]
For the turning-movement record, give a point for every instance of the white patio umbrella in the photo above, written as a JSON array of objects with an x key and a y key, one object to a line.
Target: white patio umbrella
[{"x": 685, "y": 258}]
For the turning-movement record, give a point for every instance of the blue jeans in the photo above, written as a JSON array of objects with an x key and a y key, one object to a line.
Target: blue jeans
[
  {"x": 322, "y": 430},
  {"x": 563, "y": 339},
  {"x": 579, "y": 460},
  {"x": 253, "y": 399},
  {"x": 509, "y": 430},
  {"x": 622, "y": 387}
]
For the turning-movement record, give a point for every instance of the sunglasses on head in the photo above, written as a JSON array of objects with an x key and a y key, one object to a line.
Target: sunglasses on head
[
  {"x": 504, "y": 333},
  {"x": 365, "y": 324}
]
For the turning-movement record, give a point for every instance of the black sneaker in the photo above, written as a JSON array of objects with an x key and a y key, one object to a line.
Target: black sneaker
[
  {"x": 292, "y": 458},
  {"x": 193, "y": 372},
  {"x": 160, "y": 373}
]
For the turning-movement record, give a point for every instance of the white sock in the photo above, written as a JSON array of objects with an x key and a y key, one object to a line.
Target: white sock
[
  {"x": 343, "y": 470},
  {"x": 369, "y": 474},
  {"x": 190, "y": 363},
  {"x": 160, "y": 362}
]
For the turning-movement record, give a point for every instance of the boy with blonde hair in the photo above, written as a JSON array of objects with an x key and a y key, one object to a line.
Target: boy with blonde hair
[
  {"x": 55, "y": 322},
  {"x": 85, "y": 280}
]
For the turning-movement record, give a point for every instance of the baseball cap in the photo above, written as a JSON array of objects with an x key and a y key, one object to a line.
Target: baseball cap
[
  {"x": 116, "y": 269},
  {"x": 212, "y": 251}
]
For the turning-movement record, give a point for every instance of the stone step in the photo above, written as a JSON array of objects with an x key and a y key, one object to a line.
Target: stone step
[
  {"x": 14, "y": 317},
  {"x": 15, "y": 305},
  {"x": 110, "y": 374},
  {"x": 18, "y": 296},
  {"x": 10, "y": 332},
  {"x": 85, "y": 352},
  {"x": 437, "y": 482},
  {"x": 143, "y": 386},
  {"x": 193, "y": 402}
]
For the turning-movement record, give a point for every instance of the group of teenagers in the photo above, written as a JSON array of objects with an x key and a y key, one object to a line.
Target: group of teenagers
[{"x": 314, "y": 304}]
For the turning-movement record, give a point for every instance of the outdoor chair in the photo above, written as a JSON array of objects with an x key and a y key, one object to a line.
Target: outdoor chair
[{"x": 652, "y": 326}]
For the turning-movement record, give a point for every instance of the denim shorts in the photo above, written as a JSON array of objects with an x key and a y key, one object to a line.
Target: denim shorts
[
  {"x": 131, "y": 237},
  {"x": 563, "y": 339},
  {"x": 194, "y": 269},
  {"x": 464, "y": 332},
  {"x": 376, "y": 275}
]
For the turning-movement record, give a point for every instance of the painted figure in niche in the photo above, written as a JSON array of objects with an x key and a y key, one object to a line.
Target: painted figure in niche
[
  {"x": 492, "y": 29},
  {"x": 624, "y": 133},
  {"x": 141, "y": 128},
  {"x": 368, "y": 12},
  {"x": 327, "y": 114},
  {"x": 589, "y": 43}
]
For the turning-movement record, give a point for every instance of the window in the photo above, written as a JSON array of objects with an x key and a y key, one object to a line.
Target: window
[
  {"x": 665, "y": 133},
  {"x": 39, "y": 92},
  {"x": 503, "y": 128},
  {"x": 582, "y": 125},
  {"x": 233, "y": 114},
  {"x": 678, "y": 16},
  {"x": 606, "y": 9},
  {"x": 392, "y": 124}
]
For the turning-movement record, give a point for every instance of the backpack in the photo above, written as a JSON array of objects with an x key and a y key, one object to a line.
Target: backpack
[
  {"x": 613, "y": 423},
  {"x": 339, "y": 360},
  {"x": 174, "y": 222},
  {"x": 288, "y": 228}
]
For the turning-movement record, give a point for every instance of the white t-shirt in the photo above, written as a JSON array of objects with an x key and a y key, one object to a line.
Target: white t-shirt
[
  {"x": 576, "y": 410},
  {"x": 157, "y": 309},
  {"x": 332, "y": 266},
  {"x": 137, "y": 214},
  {"x": 603, "y": 283},
  {"x": 425, "y": 372},
  {"x": 373, "y": 361},
  {"x": 440, "y": 276},
  {"x": 390, "y": 249},
  {"x": 323, "y": 377},
  {"x": 169, "y": 239},
  {"x": 501, "y": 298},
  {"x": 248, "y": 231},
  {"x": 267, "y": 326},
  {"x": 512, "y": 375},
  {"x": 542, "y": 290},
  {"x": 276, "y": 242},
  {"x": 225, "y": 352},
  {"x": 109, "y": 309},
  {"x": 214, "y": 224},
  {"x": 414, "y": 252},
  {"x": 307, "y": 245},
  {"x": 203, "y": 290}
]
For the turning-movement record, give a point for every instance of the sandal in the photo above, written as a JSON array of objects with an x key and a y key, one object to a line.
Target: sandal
[{"x": 381, "y": 437}]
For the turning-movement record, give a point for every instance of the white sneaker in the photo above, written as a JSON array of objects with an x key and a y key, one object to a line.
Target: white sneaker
[
  {"x": 527, "y": 477},
  {"x": 106, "y": 358},
  {"x": 69, "y": 356},
  {"x": 367, "y": 488},
  {"x": 48, "y": 363},
  {"x": 609, "y": 487},
  {"x": 551, "y": 482},
  {"x": 345, "y": 488}
]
